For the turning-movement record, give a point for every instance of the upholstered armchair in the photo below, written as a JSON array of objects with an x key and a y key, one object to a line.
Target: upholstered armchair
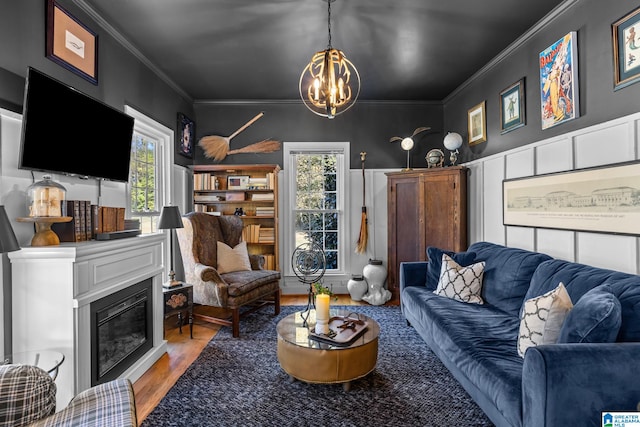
[{"x": 227, "y": 282}]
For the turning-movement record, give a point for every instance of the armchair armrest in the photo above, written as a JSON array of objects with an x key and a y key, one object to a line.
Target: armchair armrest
[
  {"x": 27, "y": 394},
  {"x": 108, "y": 404},
  {"x": 571, "y": 384},
  {"x": 413, "y": 273},
  {"x": 211, "y": 289}
]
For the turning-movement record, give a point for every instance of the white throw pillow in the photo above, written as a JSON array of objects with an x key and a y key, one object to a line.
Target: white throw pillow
[
  {"x": 236, "y": 259},
  {"x": 542, "y": 318},
  {"x": 460, "y": 283}
]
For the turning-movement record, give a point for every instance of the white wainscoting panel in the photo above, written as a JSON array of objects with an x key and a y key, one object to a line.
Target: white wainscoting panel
[
  {"x": 475, "y": 213},
  {"x": 492, "y": 200},
  {"x": 607, "y": 251},
  {"x": 555, "y": 156},
  {"x": 557, "y": 243},
  {"x": 522, "y": 237},
  {"x": 609, "y": 144},
  {"x": 519, "y": 164}
]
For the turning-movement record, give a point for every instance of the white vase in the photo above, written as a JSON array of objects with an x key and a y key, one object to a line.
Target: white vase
[
  {"x": 357, "y": 287},
  {"x": 375, "y": 274}
]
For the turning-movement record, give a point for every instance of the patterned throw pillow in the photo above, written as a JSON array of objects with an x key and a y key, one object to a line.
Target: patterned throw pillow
[
  {"x": 434, "y": 255},
  {"x": 460, "y": 283},
  {"x": 236, "y": 259},
  {"x": 542, "y": 318}
]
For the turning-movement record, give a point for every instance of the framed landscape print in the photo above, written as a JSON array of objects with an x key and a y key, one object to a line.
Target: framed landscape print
[
  {"x": 559, "y": 81},
  {"x": 70, "y": 43},
  {"x": 512, "y": 112},
  {"x": 186, "y": 136},
  {"x": 601, "y": 199},
  {"x": 626, "y": 50},
  {"x": 477, "y": 123}
]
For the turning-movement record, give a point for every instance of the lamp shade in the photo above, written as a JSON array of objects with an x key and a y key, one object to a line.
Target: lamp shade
[
  {"x": 170, "y": 218},
  {"x": 8, "y": 241},
  {"x": 452, "y": 141}
]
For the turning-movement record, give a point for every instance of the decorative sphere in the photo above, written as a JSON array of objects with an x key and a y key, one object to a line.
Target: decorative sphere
[
  {"x": 452, "y": 141},
  {"x": 407, "y": 144}
]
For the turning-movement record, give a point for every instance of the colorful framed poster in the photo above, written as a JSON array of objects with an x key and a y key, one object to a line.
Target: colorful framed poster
[
  {"x": 600, "y": 199},
  {"x": 186, "y": 136},
  {"x": 70, "y": 43},
  {"x": 559, "y": 81},
  {"x": 477, "y": 124},
  {"x": 512, "y": 113},
  {"x": 626, "y": 50}
]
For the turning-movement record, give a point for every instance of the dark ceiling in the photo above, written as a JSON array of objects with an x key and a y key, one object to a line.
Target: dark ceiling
[{"x": 256, "y": 50}]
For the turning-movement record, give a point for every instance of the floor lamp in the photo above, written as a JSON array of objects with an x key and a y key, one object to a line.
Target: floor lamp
[
  {"x": 8, "y": 241},
  {"x": 170, "y": 219}
]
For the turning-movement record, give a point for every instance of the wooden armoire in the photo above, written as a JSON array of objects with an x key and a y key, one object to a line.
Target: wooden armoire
[{"x": 427, "y": 207}]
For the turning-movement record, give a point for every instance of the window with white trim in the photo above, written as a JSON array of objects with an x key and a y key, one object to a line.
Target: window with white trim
[
  {"x": 147, "y": 170},
  {"x": 316, "y": 176}
]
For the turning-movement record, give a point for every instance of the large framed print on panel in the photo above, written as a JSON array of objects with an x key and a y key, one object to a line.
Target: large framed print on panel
[
  {"x": 559, "y": 81},
  {"x": 70, "y": 43},
  {"x": 601, "y": 199},
  {"x": 512, "y": 113},
  {"x": 626, "y": 50},
  {"x": 477, "y": 124}
]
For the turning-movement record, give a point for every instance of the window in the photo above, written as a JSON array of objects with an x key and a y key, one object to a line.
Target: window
[
  {"x": 147, "y": 177},
  {"x": 316, "y": 178}
]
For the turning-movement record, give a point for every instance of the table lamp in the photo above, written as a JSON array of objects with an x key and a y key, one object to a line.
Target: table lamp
[
  {"x": 170, "y": 219},
  {"x": 8, "y": 241}
]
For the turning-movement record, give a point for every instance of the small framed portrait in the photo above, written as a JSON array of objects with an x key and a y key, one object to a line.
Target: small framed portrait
[
  {"x": 237, "y": 182},
  {"x": 186, "y": 136},
  {"x": 626, "y": 56},
  {"x": 70, "y": 43},
  {"x": 512, "y": 113},
  {"x": 477, "y": 123}
]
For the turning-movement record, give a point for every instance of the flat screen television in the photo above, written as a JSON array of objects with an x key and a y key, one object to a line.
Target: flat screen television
[{"x": 68, "y": 132}]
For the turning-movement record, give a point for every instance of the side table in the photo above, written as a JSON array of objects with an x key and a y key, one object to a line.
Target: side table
[{"x": 177, "y": 300}]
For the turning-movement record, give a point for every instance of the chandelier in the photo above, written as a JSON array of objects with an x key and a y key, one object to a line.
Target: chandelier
[{"x": 330, "y": 84}]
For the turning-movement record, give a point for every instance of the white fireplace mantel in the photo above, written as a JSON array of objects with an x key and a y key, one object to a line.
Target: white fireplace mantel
[{"x": 53, "y": 287}]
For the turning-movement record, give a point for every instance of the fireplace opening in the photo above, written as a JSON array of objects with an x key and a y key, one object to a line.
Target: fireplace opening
[{"x": 121, "y": 331}]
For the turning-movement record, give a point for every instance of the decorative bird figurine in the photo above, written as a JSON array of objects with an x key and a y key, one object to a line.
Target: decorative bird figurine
[{"x": 407, "y": 143}]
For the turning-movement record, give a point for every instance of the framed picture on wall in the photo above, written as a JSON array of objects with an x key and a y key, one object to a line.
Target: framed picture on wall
[
  {"x": 559, "y": 81},
  {"x": 70, "y": 43},
  {"x": 626, "y": 50},
  {"x": 599, "y": 199},
  {"x": 186, "y": 136},
  {"x": 477, "y": 124},
  {"x": 512, "y": 112}
]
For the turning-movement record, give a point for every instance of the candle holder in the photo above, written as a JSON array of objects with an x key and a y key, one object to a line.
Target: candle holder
[{"x": 322, "y": 326}]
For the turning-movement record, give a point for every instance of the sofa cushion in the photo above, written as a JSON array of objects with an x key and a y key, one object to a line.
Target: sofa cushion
[
  {"x": 460, "y": 283},
  {"x": 434, "y": 266},
  {"x": 595, "y": 318},
  {"x": 233, "y": 259},
  {"x": 507, "y": 274},
  {"x": 627, "y": 291},
  {"x": 542, "y": 318}
]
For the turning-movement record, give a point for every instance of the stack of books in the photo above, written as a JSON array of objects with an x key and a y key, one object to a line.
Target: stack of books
[
  {"x": 262, "y": 196},
  {"x": 251, "y": 233},
  {"x": 266, "y": 235},
  {"x": 265, "y": 210}
]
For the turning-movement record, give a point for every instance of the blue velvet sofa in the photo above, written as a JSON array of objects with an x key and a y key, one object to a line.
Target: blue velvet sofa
[{"x": 591, "y": 369}]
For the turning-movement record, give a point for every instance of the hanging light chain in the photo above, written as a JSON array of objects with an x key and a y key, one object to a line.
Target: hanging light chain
[{"x": 329, "y": 23}]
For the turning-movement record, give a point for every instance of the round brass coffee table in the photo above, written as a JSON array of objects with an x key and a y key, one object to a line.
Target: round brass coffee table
[{"x": 314, "y": 361}]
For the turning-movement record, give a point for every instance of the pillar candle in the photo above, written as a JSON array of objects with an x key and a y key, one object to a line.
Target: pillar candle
[{"x": 322, "y": 306}]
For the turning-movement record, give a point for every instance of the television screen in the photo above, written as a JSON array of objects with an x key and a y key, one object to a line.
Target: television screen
[{"x": 65, "y": 131}]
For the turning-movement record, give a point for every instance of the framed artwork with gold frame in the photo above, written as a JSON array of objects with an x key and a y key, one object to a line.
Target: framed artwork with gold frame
[
  {"x": 477, "y": 123},
  {"x": 626, "y": 59},
  {"x": 70, "y": 43}
]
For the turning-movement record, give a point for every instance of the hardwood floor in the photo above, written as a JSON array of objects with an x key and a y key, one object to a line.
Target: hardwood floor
[{"x": 151, "y": 387}]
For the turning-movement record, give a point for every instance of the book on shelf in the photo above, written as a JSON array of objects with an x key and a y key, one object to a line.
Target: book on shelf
[
  {"x": 269, "y": 261},
  {"x": 265, "y": 211},
  {"x": 262, "y": 196},
  {"x": 204, "y": 198},
  {"x": 74, "y": 230}
]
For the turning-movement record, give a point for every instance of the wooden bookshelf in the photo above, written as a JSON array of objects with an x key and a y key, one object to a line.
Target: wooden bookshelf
[{"x": 225, "y": 189}]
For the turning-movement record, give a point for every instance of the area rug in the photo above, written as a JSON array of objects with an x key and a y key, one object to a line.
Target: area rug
[{"x": 239, "y": 382}]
